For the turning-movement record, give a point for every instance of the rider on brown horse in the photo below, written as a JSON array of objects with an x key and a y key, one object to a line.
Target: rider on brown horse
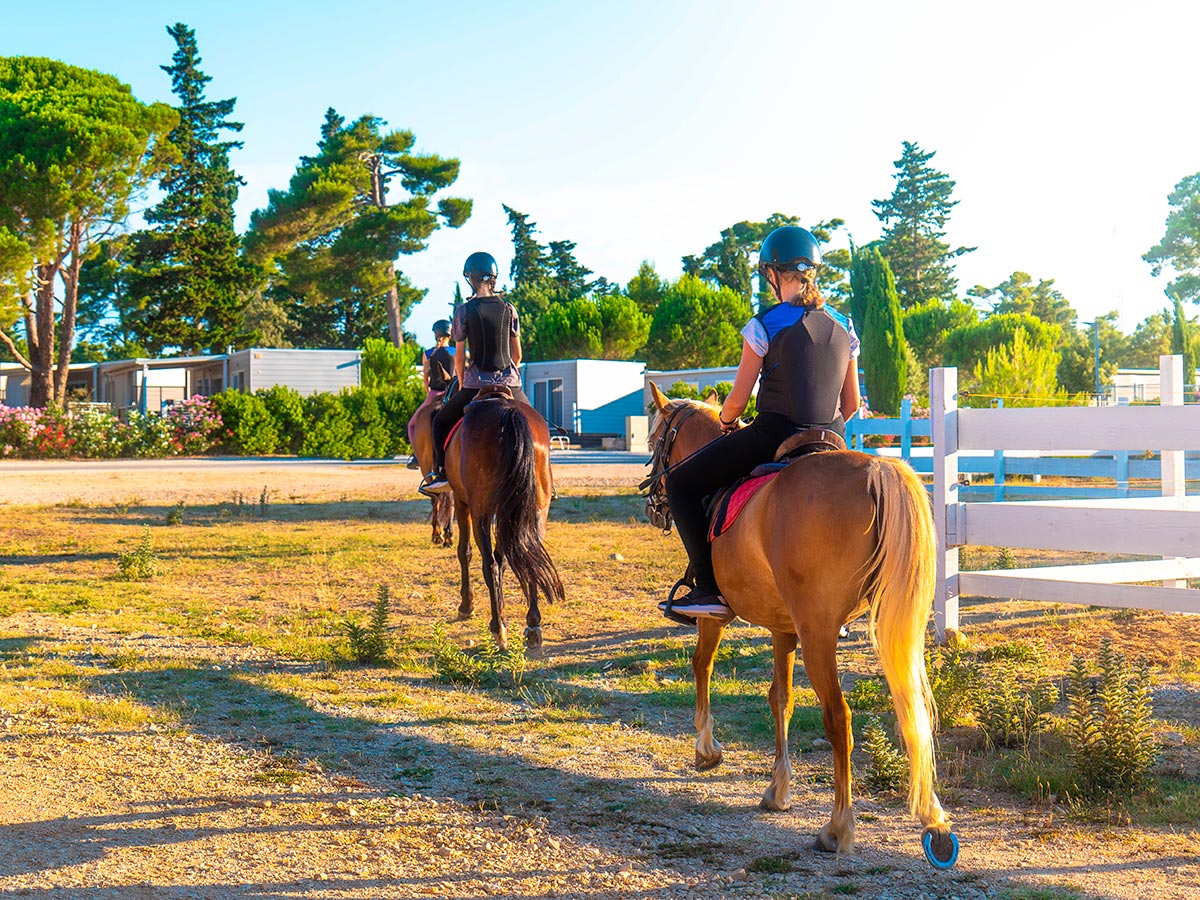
[
  {"x": 486, "y": 326},
  {"x": 806, "y": 354},
  {"x": 437, "y": 370}
]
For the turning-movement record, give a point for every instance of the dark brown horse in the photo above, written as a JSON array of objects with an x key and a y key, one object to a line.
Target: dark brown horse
[
  {"x": 441, "y": 504},
  {"x": 498, "y": 464},
  {"x": 834, "y": 535}
]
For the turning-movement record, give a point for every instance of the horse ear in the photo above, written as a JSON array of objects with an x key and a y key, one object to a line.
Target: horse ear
[
  {"x": 711, "y": 397},
  {"x": 660, "y": 399}
]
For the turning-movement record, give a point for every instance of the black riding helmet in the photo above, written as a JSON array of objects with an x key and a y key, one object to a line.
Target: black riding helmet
[
  {"x": 480, "y": 265},
  {"x": 441, "y": 328},
  {"x": 789, "y": 248}
]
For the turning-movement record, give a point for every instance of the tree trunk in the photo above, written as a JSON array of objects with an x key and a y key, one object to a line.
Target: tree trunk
[
  {"x": 66, "y": 338},
  {"x": 379, "y": 198},
  {"x": 41, "y": 351}
]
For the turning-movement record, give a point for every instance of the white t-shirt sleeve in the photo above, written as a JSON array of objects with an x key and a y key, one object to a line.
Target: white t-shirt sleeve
[
  {"x": 854, "y": 342},
  {"x": 756, "y": 336}
]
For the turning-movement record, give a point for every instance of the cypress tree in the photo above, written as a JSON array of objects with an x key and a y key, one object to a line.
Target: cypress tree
[
  {"x": 884, "y": 360},
  {"x": 1183, "y": 342},
  {"x": 186, "y": 276}
]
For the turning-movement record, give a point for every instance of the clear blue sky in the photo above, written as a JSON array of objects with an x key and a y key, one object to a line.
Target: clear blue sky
[{"x": 641, "y": 129}]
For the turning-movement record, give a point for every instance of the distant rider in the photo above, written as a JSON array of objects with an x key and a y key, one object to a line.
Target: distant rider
[
  {"x": 805, "y": 353},
  {"x": 437, "y": 371},
  {"x": 486, "y": 329}
]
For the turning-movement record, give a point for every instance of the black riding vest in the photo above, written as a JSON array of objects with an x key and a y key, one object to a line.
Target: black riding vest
[
  {"x": 441, "y": 367},
  {"x": 489, "y": 333},
  {"x": 805, "y": 368}
]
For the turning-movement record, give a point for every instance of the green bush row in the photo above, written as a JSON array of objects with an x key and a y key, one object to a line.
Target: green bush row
[{"x": 358, "y": 423}]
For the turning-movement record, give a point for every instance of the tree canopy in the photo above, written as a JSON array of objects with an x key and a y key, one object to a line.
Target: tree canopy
[
  {"x": 330, "y": 241},
  {"x": 1180, "y": 247},
  {"x": 75, "y": 145},
  {"x": 697, "y": 325},
  {"x": 914, "y": 220}
]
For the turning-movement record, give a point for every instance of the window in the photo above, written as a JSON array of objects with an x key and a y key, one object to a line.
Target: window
[{"x": 548, "y": 399}]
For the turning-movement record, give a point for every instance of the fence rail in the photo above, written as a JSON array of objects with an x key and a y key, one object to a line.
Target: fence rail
[{"x": 1167, "y": 526}]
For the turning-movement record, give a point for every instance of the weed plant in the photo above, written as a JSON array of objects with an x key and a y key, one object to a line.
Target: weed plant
[
  {"x": 140, "y": 564},
  {"x": 888, "y": 766},
  {"x": 371, "y": 643},
  {"x": 1013, "y": 702},
  {"x": 1005, "y": 559},
  {"x": 954, "y": 680},
  {"x": 487, "y": 666},
  {"x": 1109, "y": 724},
  {"x": 175, "y": 514},
  {"x": 869, "y": 695}
]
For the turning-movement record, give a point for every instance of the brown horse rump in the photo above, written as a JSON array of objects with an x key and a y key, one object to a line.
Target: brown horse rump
[{"x": 730, "y": 501}]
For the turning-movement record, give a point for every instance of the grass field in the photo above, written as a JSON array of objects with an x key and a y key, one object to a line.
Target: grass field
[{"x": 216, "y": 697}]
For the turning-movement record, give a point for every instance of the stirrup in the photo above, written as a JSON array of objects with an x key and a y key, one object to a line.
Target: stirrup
[{"x": 668, "y": 608}]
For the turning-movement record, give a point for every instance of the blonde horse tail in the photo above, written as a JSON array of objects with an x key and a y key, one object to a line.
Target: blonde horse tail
[{"x": 899, "y": 586}]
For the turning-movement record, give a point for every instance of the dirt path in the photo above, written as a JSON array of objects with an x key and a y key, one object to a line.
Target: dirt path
[
  {"x": 153, "y": 765},
  {"x": 254, "y": 791}
]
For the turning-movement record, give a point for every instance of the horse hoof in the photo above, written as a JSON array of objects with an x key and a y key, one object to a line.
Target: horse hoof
[
  {"x": 941, "y": 848},
  {"x": 463, "y": 615},
  {"x": 770, "y": 804},
  {"x": 820, "y": 846},
  {"x": 533, "y": 639},
  {"x": 705, "y": 763}
]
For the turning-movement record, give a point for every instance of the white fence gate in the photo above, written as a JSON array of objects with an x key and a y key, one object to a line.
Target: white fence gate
[{"x": 1166, "y": 526}]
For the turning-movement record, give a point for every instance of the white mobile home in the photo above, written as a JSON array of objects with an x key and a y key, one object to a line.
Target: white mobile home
[
  {"x": 589, "y": 398},
  {"x": 307, "y": 371}
]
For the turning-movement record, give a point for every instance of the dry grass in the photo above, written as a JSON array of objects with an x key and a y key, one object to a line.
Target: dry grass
[{"x": 238, "y": 640}]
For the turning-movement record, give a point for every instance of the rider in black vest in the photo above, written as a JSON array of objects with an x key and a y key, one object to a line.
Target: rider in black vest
[
  {"x": 805, "y": 354},
  {"x": 487, "y": 327},
  {"x": 437, "y": 372}
]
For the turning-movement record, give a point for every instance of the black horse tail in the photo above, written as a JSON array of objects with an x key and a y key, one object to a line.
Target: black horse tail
[{"x": 518, "y": 529}]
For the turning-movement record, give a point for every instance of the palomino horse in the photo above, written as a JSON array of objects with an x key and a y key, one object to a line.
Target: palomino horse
[
  {"x": 833, "y": 535},
  {"x": 441, "y": 504},
  {"x": 498, "y": 464}
]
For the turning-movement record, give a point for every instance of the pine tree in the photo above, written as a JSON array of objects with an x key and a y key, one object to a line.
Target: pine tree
[
  {"x": 568, "y": 275},
  {"x": 884, "y": 356},
  {"x": 914, "y": 220},
  {"x": 1180, "y": 247},
  {"x": 530, "y": 274},
  {"x": 186, "y": 277},
  {"x": 330, "y": 241},
  {"x": 646, "y": 288}
]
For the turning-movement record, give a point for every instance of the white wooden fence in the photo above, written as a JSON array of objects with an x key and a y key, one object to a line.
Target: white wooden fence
[{"x": 1167, "y": 526}]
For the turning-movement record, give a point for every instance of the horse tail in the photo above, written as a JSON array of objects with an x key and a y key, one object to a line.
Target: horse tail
[
  {"x": 899, "y": 586},
  {"x": 518, "y": 524}
]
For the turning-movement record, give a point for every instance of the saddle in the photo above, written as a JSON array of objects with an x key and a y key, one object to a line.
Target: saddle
[
  {"x": 493, "y": 392},
  {"x": 728, "y": 503}
]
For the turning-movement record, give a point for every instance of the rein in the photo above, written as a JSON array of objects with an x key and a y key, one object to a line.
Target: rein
[{"x": 657, "y": 510}]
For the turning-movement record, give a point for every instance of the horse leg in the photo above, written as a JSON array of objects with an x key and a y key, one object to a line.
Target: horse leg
[
  {"x": 493, "y": 576},
  {"x": 462, "y": 512},
  {"x": 434, "y": 518},
  {"x": 778, "y": 795},
  {"x": 446, "y": 520},
  {"x": 708, "y": 750},
  {"x": 820, "y": 664}
]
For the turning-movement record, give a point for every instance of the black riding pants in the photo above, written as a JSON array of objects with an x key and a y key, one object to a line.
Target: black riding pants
[
  {"x": 450, "y": 413},
  {"x": 722, "y": 462}
]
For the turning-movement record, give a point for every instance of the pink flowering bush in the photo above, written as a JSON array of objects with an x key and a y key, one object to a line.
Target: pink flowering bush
[{"x": 191, "y": 427}]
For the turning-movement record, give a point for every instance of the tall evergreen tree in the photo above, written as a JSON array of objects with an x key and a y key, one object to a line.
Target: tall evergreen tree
[
  {"x": 186, "y": 279},
  {"x": 331, "y": 240},
  {"x": 914, "y": 220},
  {"x": 884, "y": 355},
  {"x": 1183, "y": 342},
  {"x": 568, "y": 274},
  {"x": 1180, "y": 246},
  {"x": 646, "y": 288},
  {"x": 531, "y": 287}
]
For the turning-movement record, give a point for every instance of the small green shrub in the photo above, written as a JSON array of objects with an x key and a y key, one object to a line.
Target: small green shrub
[
  {"x": 1005, "y": 559},
  {"x": 952, "y": 679},
  {"x": 371, "y": 643},
  {"x": 286, "y": 407},
  {"x": 888, "y": 766},
  {"x": 869, "y": 695},
  {"x": 174, "y": 515},
  {"x": 140, "y": 564},
  {"x": 1012, "y": 701},
  {"x": 249, "y": 428},
  {"x": 1109, "y": 723},
  {"x": 486, "y": 666}
]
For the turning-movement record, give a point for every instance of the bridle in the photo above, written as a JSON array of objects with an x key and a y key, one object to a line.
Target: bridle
[{"x": 657, "y": 509}]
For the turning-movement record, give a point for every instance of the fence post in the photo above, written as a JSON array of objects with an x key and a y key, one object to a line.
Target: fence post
[
  {"x": 943, "y": 429},
  {"x": 1121, "y": 459},
  {"x": 1170, "y": 373},
  {"x": 906, "y": 429}
]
